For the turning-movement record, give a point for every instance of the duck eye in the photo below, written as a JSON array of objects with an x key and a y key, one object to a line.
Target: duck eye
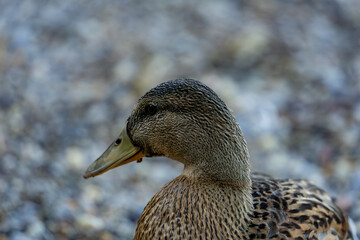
[{"x": 151, "y": 109}]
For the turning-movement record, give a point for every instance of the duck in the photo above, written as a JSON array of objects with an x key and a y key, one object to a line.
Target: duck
[{"x": 216, "y": 196}]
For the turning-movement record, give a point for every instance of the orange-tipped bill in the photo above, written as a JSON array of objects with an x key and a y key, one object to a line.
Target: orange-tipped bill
[{"x": 120, "y": 152}]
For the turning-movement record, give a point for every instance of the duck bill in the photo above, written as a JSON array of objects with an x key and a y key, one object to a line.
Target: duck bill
[{"x": 120, "y": 152}]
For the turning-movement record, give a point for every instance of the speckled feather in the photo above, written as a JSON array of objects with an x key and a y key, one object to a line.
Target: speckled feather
[
  {"x": 294, "y": 209},
  {"x": 186, "y": 208},
  {"x": 282, "y": 209}
]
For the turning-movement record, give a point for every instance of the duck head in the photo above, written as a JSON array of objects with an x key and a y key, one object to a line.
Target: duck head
[{"x": 186, "y": 121}]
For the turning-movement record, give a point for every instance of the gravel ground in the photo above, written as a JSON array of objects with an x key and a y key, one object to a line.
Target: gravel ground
[{"x": 71, "y": 71}]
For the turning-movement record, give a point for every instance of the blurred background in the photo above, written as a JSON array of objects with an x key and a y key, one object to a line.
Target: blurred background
[{"x": 71, "y": 71}]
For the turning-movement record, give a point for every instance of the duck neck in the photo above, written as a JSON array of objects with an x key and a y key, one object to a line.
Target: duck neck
[{"x": 226, "y": 160}]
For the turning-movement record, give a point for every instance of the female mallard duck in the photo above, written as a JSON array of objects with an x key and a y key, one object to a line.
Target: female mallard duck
[{"x": 215, "y": 197}]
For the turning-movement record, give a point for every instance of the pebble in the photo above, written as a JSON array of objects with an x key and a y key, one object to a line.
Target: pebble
[
  {"x": 36, "y": 229},
  {"x": 89, "y": 222},
  {"x": 75, "y": 158}
]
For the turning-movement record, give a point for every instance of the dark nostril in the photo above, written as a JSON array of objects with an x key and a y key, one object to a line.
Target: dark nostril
[{"x": 118, "y": 141}]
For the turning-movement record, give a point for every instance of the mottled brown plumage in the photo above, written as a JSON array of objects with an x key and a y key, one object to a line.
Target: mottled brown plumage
[
  {"x": 294, "y": 209},
  {"x": 281, "y": 209},
  {"x": 215, "y": 197}
]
